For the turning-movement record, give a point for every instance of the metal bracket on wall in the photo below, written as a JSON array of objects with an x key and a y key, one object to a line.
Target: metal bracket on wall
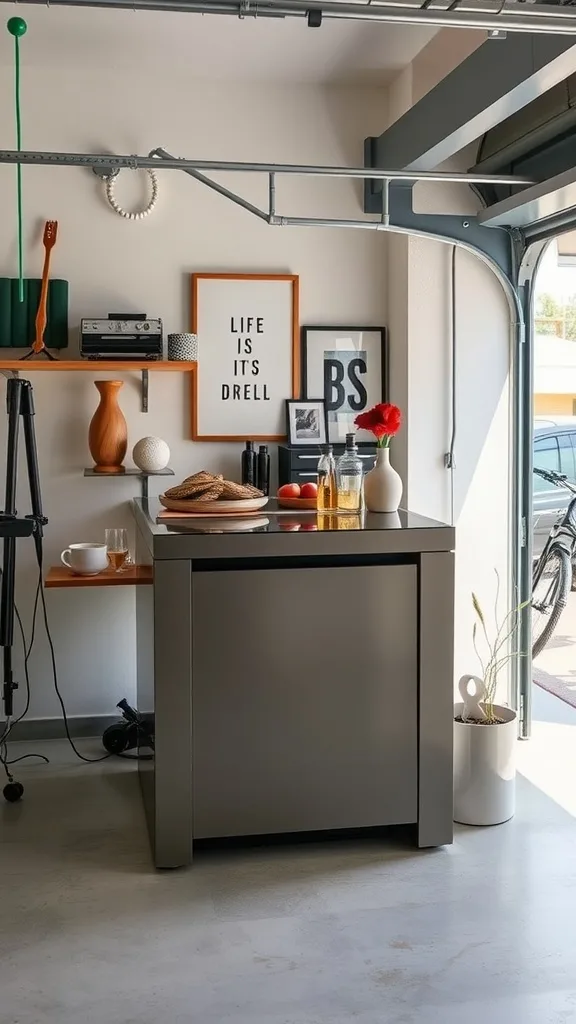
[
  {"x": 143, "y": 477},
  {"x": 500, "y": 245},
  {"x": 144, "y": 390},
  {"x": 104, "y": 172}
]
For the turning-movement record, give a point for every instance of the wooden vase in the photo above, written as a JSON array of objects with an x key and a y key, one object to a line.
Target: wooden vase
[{"x": 108, "y": 434}]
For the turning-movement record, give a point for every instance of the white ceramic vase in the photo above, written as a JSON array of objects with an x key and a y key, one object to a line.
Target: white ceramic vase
[
  {"x": 382, "y": 485},
  {"x": 484, "y": 768}
]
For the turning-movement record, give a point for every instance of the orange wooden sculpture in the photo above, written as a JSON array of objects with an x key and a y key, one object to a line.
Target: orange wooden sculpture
[{"x": 108, "y": 434}]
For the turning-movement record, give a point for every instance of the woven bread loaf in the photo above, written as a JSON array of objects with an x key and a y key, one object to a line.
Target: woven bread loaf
[
  {"x": 197, "y": 485},
  {"x": 232, "y": 491},
  {"x": 205, "y": 486}
]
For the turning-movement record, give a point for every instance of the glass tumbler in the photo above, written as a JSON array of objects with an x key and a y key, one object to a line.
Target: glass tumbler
[{"x": 117, "y": 545}]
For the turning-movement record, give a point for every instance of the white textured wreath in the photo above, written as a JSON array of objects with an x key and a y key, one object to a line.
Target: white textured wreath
[{"x": 139, "y": 214}]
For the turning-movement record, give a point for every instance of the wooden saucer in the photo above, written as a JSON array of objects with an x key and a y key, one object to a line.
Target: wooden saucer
[{"x": 235, "y": 507}]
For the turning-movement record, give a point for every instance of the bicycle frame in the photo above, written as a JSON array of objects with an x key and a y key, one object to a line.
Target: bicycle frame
[{"x": 563, "y": 533}]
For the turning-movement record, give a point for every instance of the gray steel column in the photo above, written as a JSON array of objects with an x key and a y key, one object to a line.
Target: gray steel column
[
  {"x": 436, "y": 705},
  {"x": 173, "y": 792}
]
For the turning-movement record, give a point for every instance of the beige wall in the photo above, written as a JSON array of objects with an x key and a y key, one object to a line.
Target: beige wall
[
  {"x": 478, "y": 495},
  {"x": 554, "y": 405},
  {"x": 116, "y": 265}
]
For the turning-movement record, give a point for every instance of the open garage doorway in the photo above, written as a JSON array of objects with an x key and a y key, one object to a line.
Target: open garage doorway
[{"x": 554, "y": 476}]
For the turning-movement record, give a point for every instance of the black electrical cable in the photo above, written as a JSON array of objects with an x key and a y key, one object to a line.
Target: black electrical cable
[
  {"x": 39, "y": 598},
  {"x": 24, "y": 756},
  {"x": 89, "y": 760},
  {"x": 4, "y": 759},
  {"x": 27, "y": 652}
]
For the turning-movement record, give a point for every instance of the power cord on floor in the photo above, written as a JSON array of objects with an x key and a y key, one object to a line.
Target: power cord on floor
[
  {"x": 4, "y": 759},
  {"x": 89, "y": 760},
  {"x": 40, "y": 597}
]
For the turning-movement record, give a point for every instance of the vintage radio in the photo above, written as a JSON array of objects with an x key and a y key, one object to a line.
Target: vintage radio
[{"x": 121, "y": 336}]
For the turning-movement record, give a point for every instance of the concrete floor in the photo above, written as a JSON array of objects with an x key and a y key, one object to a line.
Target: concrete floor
[
  {"x": 558, "y": 659},
  {"x": 483, "y": 932}
]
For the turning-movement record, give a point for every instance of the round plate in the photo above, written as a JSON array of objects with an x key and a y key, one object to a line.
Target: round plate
[
  {"x": 220, "y": 524},
  {"x": 305, "y": 503},
  {"x": 240, "y": 506}
]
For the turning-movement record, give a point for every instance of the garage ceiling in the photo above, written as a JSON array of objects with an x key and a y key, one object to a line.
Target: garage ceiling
[{"x": 282, "y": 50}]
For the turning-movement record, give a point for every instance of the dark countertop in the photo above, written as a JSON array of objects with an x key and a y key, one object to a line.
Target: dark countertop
[{"x": 279, "y": 533}]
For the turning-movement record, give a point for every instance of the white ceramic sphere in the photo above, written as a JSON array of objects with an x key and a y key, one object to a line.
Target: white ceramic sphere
[{"x": 151, "y": 454}]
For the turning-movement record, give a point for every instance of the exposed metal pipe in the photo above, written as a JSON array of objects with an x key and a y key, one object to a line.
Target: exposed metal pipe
[
  {"x": 222, "y": 191},
  {"x": 327, "y": 222},
  {"x": 485, "y": 15},
  {"x": 110, "y": 161}
]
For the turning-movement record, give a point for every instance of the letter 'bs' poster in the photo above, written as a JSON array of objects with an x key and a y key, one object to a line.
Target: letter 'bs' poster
[{"x": 347, "y": 366}]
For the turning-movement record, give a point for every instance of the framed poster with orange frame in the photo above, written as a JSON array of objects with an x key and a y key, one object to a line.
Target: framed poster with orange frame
[{"x": 248, "y": 355}]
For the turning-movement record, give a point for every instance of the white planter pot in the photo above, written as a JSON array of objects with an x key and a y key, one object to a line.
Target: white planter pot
[
  {"x": 485, "y": 769},
  {"x": 382, "y": 485}
]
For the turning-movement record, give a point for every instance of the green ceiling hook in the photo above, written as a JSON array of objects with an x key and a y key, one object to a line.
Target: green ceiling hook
[{"x": 17, "y": 28}]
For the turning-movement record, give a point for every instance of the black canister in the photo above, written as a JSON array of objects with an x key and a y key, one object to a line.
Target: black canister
[
  {"x": 249, "y": 464},
  {"x": 263, "y": 469}
]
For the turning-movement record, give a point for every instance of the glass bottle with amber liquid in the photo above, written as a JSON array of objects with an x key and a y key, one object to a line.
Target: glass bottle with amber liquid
[
  {"x": 349, "y": 477},
  {"x": 327, "y": 491}
]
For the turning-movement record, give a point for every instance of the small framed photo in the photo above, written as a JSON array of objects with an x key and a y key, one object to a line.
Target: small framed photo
[
  {"x": 349, "y": 367},
  {"x": 306, "y": 421}
]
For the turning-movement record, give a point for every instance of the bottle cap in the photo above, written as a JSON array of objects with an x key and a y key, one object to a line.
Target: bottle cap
[
  {"x": 263, "y": 449},
  {"x": 249, "y": 445},
  {"x": 350, "y": 439}
]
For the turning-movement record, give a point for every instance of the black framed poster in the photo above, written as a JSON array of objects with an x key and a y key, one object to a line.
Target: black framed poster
[{"x": 349, "y": 367}]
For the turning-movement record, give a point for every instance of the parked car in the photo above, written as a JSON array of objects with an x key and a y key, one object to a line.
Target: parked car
[{"x": 554, "y": 448}]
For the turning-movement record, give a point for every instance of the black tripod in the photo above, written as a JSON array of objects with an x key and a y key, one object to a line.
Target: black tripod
[{"x": 19, "y": 403}]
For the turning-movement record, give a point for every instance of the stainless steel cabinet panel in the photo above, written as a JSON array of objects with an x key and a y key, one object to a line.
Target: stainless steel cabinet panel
[{"x": 299, "y": 720}]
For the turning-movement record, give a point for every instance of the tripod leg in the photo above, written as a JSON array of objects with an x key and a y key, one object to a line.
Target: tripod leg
[
  {"x": 13, "y": 401},
  {"x": 27, "y": 413}
]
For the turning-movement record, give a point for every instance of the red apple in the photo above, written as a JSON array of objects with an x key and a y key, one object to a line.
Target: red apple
[
  {"x": 309, "y": 490},
  {"x": 289, "y": 491}
]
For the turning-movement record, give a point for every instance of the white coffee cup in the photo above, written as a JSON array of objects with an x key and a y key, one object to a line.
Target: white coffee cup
[{"x": 86, "y": 559}]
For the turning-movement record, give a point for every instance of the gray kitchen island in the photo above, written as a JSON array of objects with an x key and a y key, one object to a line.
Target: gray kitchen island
[{"x": 298, "y": 672}]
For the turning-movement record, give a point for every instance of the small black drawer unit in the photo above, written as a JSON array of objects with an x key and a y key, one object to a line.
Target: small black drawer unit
[{"x": 299, "y": 464}]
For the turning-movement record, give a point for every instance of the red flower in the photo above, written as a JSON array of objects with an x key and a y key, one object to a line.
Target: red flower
[{"x": 383, "y": 420}]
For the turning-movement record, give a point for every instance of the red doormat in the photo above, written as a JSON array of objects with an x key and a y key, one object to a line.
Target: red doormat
[{"x": 562, "y": 688}]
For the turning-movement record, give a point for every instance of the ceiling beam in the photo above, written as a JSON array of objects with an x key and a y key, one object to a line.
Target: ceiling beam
[
  {"x": 497, "y": 79},
  {"x": 554, "y": 199}
]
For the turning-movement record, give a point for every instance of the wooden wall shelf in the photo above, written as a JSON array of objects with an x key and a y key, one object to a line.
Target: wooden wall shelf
[
  {"x": 60, "y": 576},
  {"x": 95, "y": 365}
]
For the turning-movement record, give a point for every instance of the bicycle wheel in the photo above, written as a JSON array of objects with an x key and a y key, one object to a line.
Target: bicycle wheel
[{"x": 549, "y": 596}]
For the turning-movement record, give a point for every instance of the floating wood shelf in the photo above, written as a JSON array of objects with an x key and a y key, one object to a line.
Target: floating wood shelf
[
  {"x": 60, "y": 576},
  {"x": 95, "y": 365},
  {"x": 143, "y": 366},
  {"x": 143, "y": 477}
]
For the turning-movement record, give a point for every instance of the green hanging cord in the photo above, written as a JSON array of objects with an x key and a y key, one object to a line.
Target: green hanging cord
[{"x": 17, "y": 28}]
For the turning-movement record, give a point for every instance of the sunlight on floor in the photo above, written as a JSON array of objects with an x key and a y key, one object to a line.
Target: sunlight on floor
[{"x": 548, "y": 760}]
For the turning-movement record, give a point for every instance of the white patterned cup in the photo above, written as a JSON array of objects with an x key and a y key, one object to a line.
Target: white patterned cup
[{"x": 183, "y": 347}]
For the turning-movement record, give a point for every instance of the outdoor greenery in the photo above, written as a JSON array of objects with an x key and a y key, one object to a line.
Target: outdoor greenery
[{"x": 556, "y": 318}]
